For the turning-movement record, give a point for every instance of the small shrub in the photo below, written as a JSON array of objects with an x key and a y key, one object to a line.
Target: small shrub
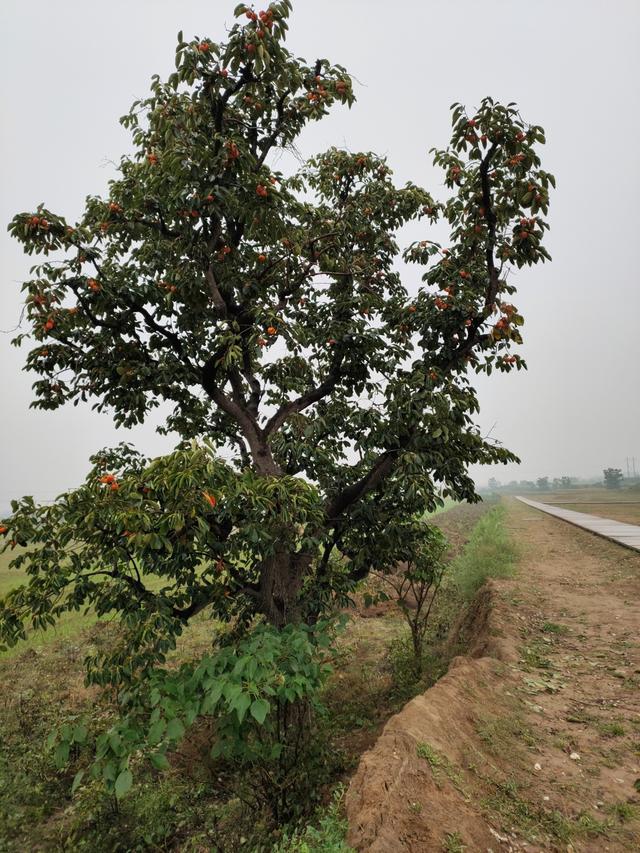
[
  {"x": 416, "y": 582},
  {"x": 260, "y": 695}
]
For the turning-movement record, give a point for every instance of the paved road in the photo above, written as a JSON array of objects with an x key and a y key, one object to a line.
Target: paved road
[{"x": 624, "y": 534}]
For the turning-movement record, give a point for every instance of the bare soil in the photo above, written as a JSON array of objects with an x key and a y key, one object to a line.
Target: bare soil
[{"x": 532, "y": 741}]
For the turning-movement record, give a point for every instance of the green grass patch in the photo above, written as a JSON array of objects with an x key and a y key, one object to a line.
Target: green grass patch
[
  {"x": 452, "y": 843},
  {"x": 489, "y": 553},
  {"x": 554, "y": 628},
  {"x": 326, "y": 834},
  {"x": 10, "y": 578},
  {"x": 624, "y": 811},
  {"x": 69, "y": 625},
  {"x": 500, "y": 733},
  {"x": 611, "y": 729}
]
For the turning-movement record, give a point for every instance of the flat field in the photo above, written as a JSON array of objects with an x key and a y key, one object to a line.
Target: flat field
[{"x": 617, "y": 504}]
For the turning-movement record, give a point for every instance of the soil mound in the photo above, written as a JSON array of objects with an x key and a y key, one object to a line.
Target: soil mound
[
  {"x": 407, "y": 794},
  {"x": 530, "y": 741}
]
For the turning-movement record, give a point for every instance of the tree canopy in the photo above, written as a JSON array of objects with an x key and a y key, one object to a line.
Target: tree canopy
[{"x": 321, "y": 406}]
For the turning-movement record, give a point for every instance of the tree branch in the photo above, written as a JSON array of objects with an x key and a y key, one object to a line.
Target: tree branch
[
  {"x": 312, "y": 396},
  {"x": 260, "y": 451},
  {"x": 380, "y": 469},
  {"x": 385, "y": 462}
]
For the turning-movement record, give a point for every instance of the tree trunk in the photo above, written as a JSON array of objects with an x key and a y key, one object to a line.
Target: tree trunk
[
  {"x": 416, "y": 638},
  {"x": 281, "y": 580}
]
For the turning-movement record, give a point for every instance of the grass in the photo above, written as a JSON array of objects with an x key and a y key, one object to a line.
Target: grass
[
  {"x": 325, "y": 834},
  {"x": 499, "y": 733},
  {"x": 489, "y": 553},
  {"x": 623, "y": 811},
  {"x": 611, "y": 730},
  {"x": 440, "y": 765},
  {"x": 554, "y": 628},
  {"x": 533, "y": 820},
  {"x": 70, "y": 625},
  {"x": 10, "y": 578},
  {"x": 452, "y": 843}
]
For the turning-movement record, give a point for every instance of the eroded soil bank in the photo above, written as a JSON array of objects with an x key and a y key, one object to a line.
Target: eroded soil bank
[{"x": 532, "y": 741}]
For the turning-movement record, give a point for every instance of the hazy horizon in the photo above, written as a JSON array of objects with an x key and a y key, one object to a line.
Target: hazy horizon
[{"x": 70, "y": 71}]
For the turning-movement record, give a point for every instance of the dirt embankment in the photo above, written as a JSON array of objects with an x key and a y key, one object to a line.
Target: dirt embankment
[{"x": 531, "y": 742}]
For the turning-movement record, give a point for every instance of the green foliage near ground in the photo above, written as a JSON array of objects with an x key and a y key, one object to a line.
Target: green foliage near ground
[
  {"x": 201, "y": 802},
  {"x": 325, "y": 835},
  {"x": 490, "y": 553}
]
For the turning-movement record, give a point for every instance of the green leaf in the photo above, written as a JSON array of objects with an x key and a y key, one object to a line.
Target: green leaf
[
  {"x": 109, "y": 772},
  {"x": 276, "y": 750},
  {"x": 77, "y": 779},
  {"x": 231, "y": 691},
  {"x": 259, "y": 710},
  {"x": 175, "y": 729},
  {"x": 241, "y": 705},
  {"x": 123, "y": 783},
  {"x": 61, "y": 755},
  {"x": 211, "y": 699},
  {"x": 156, "y": 731},
  {"x": 80, "y": 734},
  {"x": 159, "y": 761}
]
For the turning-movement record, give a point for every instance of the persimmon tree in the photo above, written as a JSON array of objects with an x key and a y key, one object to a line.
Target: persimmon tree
[{"x": 320, "y": 399}]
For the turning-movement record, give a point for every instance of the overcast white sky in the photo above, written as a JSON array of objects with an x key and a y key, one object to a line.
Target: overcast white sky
[{"x": 70, "y": 69}]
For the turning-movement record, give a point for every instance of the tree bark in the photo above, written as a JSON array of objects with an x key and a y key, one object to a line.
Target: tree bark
[{"x": 281, "y": 579}]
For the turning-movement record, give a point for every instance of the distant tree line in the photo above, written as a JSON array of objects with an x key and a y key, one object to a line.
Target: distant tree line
[
  {"x": 541, "y": 484},
  {"x": 613, "y": 479}
]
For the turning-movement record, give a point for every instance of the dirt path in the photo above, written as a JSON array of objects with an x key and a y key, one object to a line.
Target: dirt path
[{"x": 535, "y": 744}]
